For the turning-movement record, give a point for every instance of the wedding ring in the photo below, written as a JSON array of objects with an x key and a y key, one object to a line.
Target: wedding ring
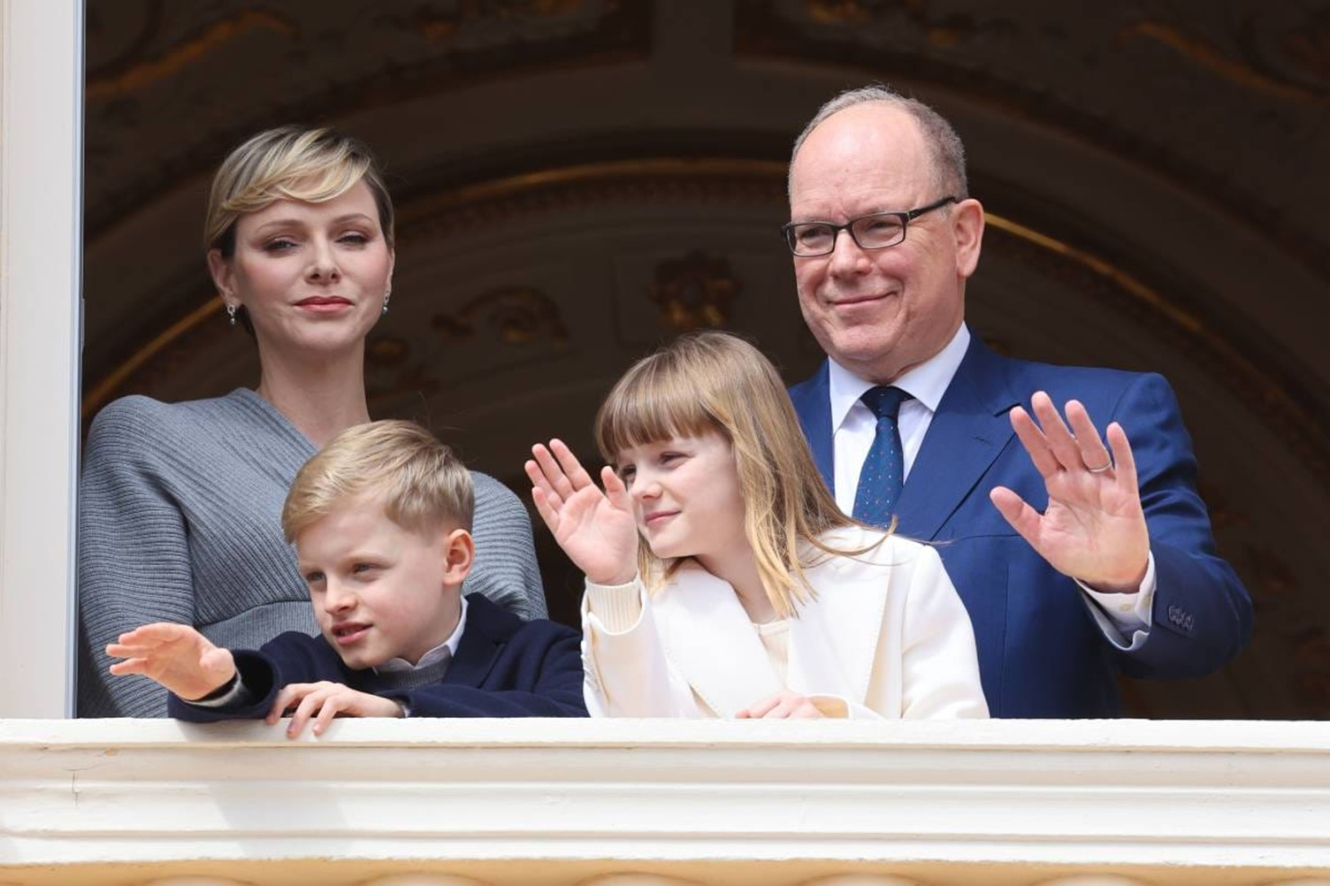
[{"x": 1099, "y": 470}]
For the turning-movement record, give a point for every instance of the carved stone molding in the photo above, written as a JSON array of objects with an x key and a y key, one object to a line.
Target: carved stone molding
[
  {"x": 694, "y": 292},
  {"x": 723, "y": 803},
  {"x": 1093, "y": 880},
  {"x": 514, "y": 315},
  {"x": 152, "y": 63},
  {"x": 649, "y": 179},
  {"x": 196, "y": 881},
  {"x": 134, "y": 71},
  {"x": 423, "y": 880},
  {"x": 638, "y": 879},
  {"x": 1279, "y": 51},
  {"x": 861, "y": 880}
]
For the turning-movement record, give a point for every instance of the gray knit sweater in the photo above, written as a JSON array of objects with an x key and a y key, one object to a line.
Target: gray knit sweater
[{"x": 180, "y": 520}]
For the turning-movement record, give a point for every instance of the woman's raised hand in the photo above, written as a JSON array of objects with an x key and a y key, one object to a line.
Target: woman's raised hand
[{"x": 597, "y": 530}]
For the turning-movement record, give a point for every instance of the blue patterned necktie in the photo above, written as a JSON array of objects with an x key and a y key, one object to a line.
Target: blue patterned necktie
[{"x": 883, "y": 473}]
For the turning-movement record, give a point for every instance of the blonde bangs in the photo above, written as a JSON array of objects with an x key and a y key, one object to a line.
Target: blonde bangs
[
  {"x": 656, "y": 400},
  {"x": 315, "y": 181},
  {"x": 397, "y": 465},
  {"x": 289, "y": 163},
  {"x": 714, "y": 381}
]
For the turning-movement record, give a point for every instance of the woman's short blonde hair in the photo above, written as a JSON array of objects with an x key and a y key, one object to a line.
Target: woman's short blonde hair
[
  {"x": 418, "y": 481},
  {"x": 294, "y": 163},
  {"x": 713, "y": 381}
]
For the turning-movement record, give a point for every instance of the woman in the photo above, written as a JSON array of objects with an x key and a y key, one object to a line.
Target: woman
[
  {"x": 751, "y": 594},
  {"x": 179, "y": 511}
]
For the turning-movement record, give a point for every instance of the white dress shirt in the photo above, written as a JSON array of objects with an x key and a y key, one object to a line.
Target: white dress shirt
[
  {"x": 444, "y": 651},
  {"x": 854, "y": 426}
]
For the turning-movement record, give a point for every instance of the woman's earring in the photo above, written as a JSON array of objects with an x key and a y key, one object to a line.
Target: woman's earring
[
  {"x": 231, "y": 312},
  {"x": 387, "y": 294}
]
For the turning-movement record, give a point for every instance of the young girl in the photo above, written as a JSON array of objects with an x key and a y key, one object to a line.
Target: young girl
[{"x": 751, "y": 595}]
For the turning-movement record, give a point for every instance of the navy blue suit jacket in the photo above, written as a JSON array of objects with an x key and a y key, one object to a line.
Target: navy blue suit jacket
[
  {"x": 1041, "y": 654},
  {"x": 504, "y": 667}
]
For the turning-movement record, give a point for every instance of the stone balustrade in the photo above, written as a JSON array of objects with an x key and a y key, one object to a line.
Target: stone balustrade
[{"x": 614, "y": 803}]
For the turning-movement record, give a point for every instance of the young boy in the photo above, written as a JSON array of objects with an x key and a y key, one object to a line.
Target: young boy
[{"x": 380, "y": 519}]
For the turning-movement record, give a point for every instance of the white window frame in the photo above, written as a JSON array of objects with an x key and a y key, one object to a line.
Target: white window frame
[{"x": 41, "y": 159}]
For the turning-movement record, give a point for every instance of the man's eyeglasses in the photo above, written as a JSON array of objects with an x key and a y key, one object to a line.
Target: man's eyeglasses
[{"x": 876, "y": 231}]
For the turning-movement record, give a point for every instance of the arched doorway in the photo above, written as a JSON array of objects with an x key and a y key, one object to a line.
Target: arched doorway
[{"x": 578, "y": 179}]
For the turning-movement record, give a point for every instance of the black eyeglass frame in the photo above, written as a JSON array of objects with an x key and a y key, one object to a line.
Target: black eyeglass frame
[{"x": 905, "y": 218}]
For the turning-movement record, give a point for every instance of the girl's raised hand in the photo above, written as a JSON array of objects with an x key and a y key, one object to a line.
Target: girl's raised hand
[{"x": 597, "y": 530}]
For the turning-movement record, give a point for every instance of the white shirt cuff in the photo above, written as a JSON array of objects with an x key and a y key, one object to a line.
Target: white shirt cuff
[
  {"x": 617, "y": 607},
  {"x": 237, "y": 694},
  {"x": 1125, "y": 619}
]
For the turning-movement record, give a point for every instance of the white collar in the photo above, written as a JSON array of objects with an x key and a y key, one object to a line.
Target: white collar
[
  {"x": 445, "y": 650},
  {"x": 926, "y": 382}
]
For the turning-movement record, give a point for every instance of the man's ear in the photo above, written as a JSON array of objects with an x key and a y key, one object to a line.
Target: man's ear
[
  {"x": 459, "y": 554},
  {"x": 968, "y": 225},
  {"x": 222, "y": 277}
]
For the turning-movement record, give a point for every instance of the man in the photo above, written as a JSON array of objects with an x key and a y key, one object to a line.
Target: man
[{"x": 1076, "y": 560}]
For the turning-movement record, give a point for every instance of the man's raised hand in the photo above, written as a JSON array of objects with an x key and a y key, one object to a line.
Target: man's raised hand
[{"x": 1094, "y": 527}]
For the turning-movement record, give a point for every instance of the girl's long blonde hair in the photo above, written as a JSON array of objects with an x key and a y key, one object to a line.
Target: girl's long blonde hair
[{"x": 714, "y": 381}]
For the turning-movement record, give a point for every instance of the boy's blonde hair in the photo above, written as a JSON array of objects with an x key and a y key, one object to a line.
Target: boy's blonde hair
[
  {"x": 713, "y": 381},
  {"x": 420, "y": 483},
  {"x": 294, "y": 163}
]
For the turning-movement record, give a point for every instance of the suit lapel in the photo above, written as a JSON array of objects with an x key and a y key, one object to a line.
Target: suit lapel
[
  {"x": 966, "y": 434},
  {"x": 812, "y": 403},
  {"x": 708, "y": 636},
  {"x": 482, "y": 641}
]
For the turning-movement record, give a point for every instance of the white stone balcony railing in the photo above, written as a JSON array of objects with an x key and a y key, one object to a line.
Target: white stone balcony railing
[{"x": 545, "y": 802}]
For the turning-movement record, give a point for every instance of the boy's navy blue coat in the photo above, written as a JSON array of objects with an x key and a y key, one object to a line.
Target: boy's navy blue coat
[{"x": 504, "y": 667}]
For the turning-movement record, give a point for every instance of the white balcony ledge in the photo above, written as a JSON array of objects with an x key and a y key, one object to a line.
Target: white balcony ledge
[{"x": 561, "y": 802}]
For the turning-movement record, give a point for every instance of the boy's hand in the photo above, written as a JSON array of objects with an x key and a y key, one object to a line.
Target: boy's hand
[
  {"x": 176, "y": 656},
  {"x": 323, "y": 701}
]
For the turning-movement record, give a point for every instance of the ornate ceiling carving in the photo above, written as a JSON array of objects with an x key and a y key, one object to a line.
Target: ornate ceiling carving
[{"x": 172, "y": 86}]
